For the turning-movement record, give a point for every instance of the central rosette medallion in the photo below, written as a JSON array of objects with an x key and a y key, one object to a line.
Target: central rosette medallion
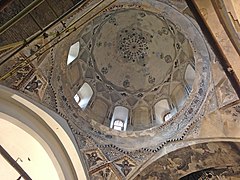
[{"x": 134, "y": 50}]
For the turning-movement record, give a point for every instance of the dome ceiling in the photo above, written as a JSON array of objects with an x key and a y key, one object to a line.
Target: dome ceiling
[
  {"x": 133, "y": 58},
  {"x": 138, "y": 66},
  {"x": 120, "y": 72},
  {"x": 134, "y": 50}
]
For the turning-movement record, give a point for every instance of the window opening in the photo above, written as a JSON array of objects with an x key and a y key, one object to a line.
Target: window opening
[
  {"x": 118, "y": 125},
  {"x": 161, "y": 108},
  {"x": 119, "y": 118},
  {"x": 84, "y": 95},
  {"x": 73, "y": 53}
]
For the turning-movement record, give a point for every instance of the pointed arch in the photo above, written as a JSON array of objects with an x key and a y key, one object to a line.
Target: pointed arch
[{"x": 48, "y": 128}]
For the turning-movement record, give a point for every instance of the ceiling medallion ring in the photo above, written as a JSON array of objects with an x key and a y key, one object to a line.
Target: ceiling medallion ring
[{"x": 133, "y": 44}]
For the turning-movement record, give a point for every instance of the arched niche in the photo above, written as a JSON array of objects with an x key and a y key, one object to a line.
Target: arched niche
[
  {"x": 99, "y": 111},
  {"x": 179, "y": 96},
  {"x": 47, "y": 128},
  {"x": 74, "y": 75},
  {"x": 141, "y": 117},
  {"x": 162, "y": 111}
]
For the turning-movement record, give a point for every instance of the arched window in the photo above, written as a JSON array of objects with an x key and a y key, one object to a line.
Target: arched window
[
  {"x": 118, "y": 125},
  {"x": 161, "y": 109},
  {"x": 73, "y": 52},
  {"x": 189, "y": 76},
  {"x": 84, "y": 95},
  {"x": 119, "y": 118},
  {"x": 167, "y": 116}
]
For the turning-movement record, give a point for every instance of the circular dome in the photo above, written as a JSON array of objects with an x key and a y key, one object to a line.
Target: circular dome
[
  {"x": 134, "y": 50},
  {"x": 133, "y": 68},
  {"x": 137, "y": 68}
]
